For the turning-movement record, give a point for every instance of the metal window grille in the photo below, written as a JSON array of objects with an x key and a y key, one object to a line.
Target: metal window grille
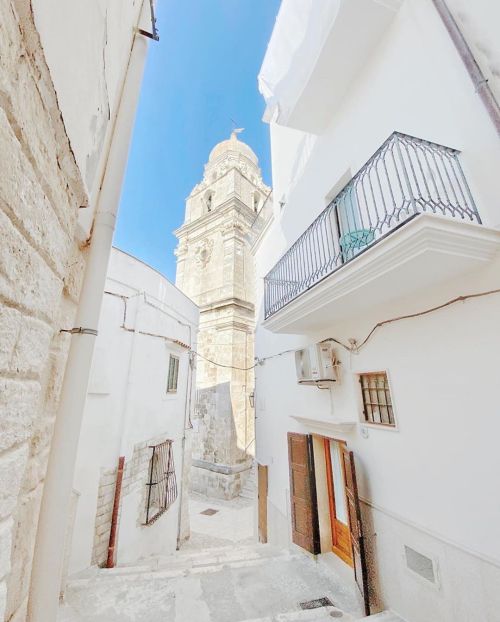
[
  {"x": 162, "y": 483},
  {"x": 407, "y": 176},
  {"x": 377, "y": 401},
  {"x": 173, "y": 374}
]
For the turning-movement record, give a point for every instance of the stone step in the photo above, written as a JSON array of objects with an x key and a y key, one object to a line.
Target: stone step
[
  {"x": 384, "y": 616},
  {"x": 171, "y": 566},
  {"x": 327, "y": 614},
  {"x": 321, "y": 614}
]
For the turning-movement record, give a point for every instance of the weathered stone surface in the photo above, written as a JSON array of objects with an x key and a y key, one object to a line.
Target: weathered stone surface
[
  {"x": 3, "y": 595},
  {"x": 18, "y": 405},
  {"x": 12, "y": 465},
  {"x": 5, "y": 544},
  {"x": 22, "y": 550},
  {"x": 10, "y": 323},
  {"x": 40, "y": 192},
  {"x": 26, "y": 203},
  {"x": 25, "y": 278}
]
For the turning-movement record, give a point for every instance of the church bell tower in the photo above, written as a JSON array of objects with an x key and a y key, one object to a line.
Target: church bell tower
[{"x": 215, "y": 269}]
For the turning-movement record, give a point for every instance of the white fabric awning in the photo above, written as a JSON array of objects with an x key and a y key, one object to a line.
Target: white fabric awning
[
  {"x": 316, "y": 49},
  {"x": 299, "y": 34}
]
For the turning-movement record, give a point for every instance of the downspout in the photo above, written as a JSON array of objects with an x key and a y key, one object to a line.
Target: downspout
[
  {"x": 187, "y": 424},
  {"x": 476, "y": 75},
  {"x": 110, "y": 562},
  {"x": 49, "y": 547}
]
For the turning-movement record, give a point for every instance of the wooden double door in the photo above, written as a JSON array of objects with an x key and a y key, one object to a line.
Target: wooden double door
[{"x": 345, "y": 513}]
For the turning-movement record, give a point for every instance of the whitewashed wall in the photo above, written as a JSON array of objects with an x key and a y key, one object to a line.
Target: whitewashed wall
[
  {"x": 87, "y": 46},
  {"x": 428, "y": 483},
  {"x": 128, "y": 408}
]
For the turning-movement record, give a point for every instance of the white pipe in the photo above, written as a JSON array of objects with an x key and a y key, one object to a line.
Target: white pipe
[
  {"x": 187, "y": 417},
  {"x": 49, "y": 547},
  {"x": 474, "y": 70}
]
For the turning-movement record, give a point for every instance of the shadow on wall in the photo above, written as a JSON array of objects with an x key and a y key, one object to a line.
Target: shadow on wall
[{"x": 221, "y": 425}]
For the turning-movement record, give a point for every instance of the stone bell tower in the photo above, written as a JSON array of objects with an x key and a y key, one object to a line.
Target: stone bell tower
[{"x": 215, "y": 269}]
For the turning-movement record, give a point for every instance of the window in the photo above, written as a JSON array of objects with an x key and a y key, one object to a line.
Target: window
[
  {"x": 377, "y": 401},
  {"x": 256, "y": 202},
  {"x": 209, "y": 197},
  {"x": 173, "y": 374},
  {"x": 162, "y": 483}
]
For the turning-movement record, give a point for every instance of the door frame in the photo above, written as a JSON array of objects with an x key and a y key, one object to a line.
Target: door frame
[
  {"x": 331, "y": 500},
  {"x": 262, "y": 489}
]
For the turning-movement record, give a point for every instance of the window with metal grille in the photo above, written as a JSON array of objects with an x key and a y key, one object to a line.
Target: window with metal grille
[
  {"x": 173, "y": 374},
  {"x": 162, "y": 483},
  {"x": 377, "y": 401}
]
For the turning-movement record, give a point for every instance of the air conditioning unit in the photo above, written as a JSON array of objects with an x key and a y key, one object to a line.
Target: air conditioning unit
[{"x": 316, "y": 364}]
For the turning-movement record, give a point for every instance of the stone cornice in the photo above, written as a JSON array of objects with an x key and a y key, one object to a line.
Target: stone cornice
[
  {"x": 227, "y": 302},
  {"x": 262, "y": 187},
  {"x": 212, "y": 219}
]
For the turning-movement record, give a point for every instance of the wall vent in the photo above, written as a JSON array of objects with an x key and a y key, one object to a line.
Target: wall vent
[{"x": 420, "y": 564}]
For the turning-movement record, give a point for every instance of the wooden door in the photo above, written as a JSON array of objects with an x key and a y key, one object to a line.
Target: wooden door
[
  {"x": 304, "y": 508},
  {"x": 262, "y": 495},
  {"x": 339, "y": 518},
  {"x": 355, "y": 526}
]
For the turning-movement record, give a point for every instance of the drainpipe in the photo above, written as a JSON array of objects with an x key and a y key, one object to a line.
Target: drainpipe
[
  {"x": 49, "y": 547},
  {"x": 476, "y": 75},
  {"x": 187, "y": 424},
  {"x": 110, "y": 562}
]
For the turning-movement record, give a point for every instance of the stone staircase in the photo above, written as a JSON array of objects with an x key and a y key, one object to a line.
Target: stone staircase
[{"x": 240, "y": 583}]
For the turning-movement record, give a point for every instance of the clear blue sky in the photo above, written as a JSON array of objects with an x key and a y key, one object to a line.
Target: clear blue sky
[{"x": 201, "y": 73}]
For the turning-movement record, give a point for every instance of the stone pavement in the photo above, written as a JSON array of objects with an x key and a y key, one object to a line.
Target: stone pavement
[
  {"x": 232, "y": 522},
  {"x": 220, "y": 575}
]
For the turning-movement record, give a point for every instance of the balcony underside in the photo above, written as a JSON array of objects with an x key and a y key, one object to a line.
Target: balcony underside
[{"x": 423, "y": 253}]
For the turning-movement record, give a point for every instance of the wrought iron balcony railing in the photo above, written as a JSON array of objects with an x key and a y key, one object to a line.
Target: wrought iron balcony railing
[{"x": 407, "y": 176}]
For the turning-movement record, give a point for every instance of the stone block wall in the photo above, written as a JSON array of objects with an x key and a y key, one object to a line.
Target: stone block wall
[
  {"x": 41, "y": 269},
  {"x": 135, "y": 478}
]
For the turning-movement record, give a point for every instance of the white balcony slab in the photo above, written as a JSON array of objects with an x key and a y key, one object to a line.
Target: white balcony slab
[{"x": 425, "y": 252}]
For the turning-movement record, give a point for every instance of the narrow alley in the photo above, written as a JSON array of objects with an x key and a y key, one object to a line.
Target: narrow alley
[
  {"x": 249, "y": 302},
  {"x": 219, "y": 575}
]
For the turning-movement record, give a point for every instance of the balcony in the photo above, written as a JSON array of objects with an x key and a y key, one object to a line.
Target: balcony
[{"x": 409, "y": 204}]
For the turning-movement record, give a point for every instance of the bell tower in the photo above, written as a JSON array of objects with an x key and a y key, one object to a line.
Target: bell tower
[{"x": 215, "y": 269}]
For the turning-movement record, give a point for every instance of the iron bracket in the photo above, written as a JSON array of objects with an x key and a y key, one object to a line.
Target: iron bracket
[
  {"x": 151, "y": 35},
  {"x": 79, "y": 330}
]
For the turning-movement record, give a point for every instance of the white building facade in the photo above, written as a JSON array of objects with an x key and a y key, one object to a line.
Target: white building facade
[
  {"x": 384, "y": 248},
  {"x": 137, "y": 420}
]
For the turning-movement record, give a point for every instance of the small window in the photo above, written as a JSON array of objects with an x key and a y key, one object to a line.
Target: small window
[
  {"x": 173, "y": 374},
  {"x": 162, "y": 484},
  {"x": 377, "y": 401},
  {"x": 256, "y": 201},
  {"x": 209, "y": 197}
]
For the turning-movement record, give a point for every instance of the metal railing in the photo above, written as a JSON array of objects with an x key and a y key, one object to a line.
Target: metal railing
[
  {"x": 407, "y": 176},
  {"x": 162, "y": 483}
]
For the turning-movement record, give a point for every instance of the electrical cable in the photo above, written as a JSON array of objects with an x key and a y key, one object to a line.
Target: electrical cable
[
  {"x": 353, "y": 348},
  {"x": 356, "y": 347}
]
